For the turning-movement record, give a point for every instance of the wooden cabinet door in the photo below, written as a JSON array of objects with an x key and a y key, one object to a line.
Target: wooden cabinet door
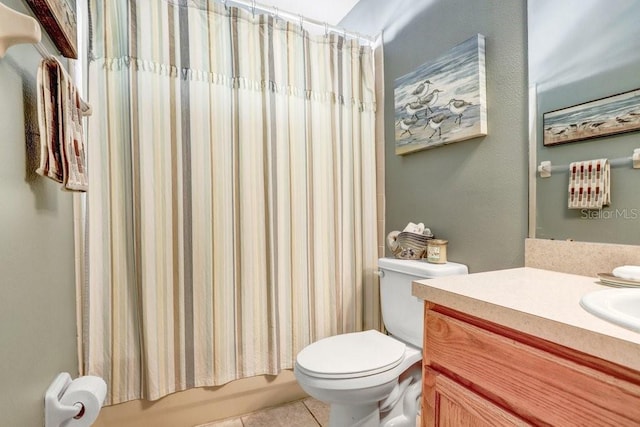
[
  {"x": 449, "y": 404},
  {"x": 521, "y": 376}
]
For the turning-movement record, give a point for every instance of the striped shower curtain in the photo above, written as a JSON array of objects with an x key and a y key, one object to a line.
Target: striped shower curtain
[{"x": 232, "y": 209}]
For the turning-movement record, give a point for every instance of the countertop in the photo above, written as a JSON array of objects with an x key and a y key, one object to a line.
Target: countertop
[{"x": 542, "y": 303}]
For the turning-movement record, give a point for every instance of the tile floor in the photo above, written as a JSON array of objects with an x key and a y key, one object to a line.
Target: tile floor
[{"x": 308, "y": 412}]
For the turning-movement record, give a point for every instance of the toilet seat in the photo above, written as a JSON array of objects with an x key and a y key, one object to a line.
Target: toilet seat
[{"x": 352, "y": 355}]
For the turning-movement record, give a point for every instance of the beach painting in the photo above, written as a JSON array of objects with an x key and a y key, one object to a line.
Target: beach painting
[
  {"x": 442, "y": 101},
  {"x": 607, "y": 116}
]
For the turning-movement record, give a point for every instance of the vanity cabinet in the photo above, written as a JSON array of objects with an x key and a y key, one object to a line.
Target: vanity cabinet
[{"x": 478, "y": 373}]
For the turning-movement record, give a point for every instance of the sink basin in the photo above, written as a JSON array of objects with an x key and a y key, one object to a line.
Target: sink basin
[{"x": 619, "y": 306}]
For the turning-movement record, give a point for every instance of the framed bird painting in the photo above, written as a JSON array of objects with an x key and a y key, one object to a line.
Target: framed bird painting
[
  {"x": 58, "y": 17},
  {"x": 442, "y": 101},
  {"x": 602, "y": 117}
]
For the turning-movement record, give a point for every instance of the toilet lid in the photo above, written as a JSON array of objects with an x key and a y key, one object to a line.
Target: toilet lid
[{"x": 351, "y": 355}]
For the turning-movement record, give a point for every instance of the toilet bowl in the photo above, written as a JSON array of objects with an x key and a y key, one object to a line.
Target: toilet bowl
[
  {"x": 370, "y": 379},
  {"x": 355, "y": 385}
]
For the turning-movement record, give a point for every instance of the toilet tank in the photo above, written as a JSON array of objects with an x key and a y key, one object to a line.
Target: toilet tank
[{"x": 402, "y": 313}]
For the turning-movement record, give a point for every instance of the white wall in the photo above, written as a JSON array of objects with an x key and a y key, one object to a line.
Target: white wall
[
  {"x": 580, "y": 51},
  {"x": 472, "y": 193},
  {"x": 37, "y": 291},
  {"x": 571, "y": 40}
]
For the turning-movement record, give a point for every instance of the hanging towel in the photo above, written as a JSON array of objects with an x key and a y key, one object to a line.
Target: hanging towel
[
  {"x": 74, "y": 152},
  {"x": 51, "y": 162},
  {"x": 60, "y": 111},
  {"x": 589, "y": 184}
]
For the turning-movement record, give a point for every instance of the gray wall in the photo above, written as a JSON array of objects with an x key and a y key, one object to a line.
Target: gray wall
[
  {"x": 37, "y": 296},
  {"x": 472, "y": 193},
  {"x": 597, "y": 57}
]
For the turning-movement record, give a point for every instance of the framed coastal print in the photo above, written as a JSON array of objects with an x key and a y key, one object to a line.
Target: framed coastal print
[
  {"x": 442, "y": 101},
  {"x": 603, "y": 117},
  {"x": 58, "y": 18}
]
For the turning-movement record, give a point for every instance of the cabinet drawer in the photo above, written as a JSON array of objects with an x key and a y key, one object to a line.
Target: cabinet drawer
[
  {"x": 537, "y": 386},
  {"x": 450, "y": 404}
]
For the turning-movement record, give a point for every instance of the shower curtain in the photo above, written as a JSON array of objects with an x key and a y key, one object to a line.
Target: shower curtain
[{"x": 232, "y": 209}]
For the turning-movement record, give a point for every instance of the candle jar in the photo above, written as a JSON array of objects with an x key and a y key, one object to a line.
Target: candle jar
[{"x": 437, "y": 251}]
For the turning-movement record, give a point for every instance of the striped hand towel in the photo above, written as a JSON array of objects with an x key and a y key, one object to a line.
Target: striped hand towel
[
  {"x": 589, "y": 184},
  {"x": 49, "y": 122},
  {"x": 60, "y": 111}
]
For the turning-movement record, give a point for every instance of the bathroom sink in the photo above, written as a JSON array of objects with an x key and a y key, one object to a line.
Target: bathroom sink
[{"x": 619, "y": 306}]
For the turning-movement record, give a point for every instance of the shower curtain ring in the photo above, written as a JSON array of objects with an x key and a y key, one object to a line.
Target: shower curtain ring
[
  {"x": 276, "y": 15},
  {"x": 253, "y": 8},
  {"x": 301, "y": 21},
  {"x": 326, "y": 30}
]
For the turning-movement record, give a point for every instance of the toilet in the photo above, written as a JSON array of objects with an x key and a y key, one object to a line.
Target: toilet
[{"x": 370, "y": 379}]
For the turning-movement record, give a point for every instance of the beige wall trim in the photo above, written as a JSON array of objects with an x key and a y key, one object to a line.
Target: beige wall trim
[
  {"x": 201, "y": 405},
  {"x": 583, "y": 258},
  {"x": 533, "y": 158},
  {"x": 79, "y": 251}
]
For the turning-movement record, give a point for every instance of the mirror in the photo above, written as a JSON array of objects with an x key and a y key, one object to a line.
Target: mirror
[{"x": 580, "y": 51}]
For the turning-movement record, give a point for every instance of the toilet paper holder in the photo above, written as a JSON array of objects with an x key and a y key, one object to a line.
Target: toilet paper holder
[{"x": 55, "y": 413}]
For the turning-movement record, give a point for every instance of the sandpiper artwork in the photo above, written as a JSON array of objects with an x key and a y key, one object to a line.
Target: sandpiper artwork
[
  {"x": 602, "y": 117},
  {"x": 442, "y": 101}
]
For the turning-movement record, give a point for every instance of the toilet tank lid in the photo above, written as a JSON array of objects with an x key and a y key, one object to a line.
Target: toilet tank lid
[{"x": 420, "y": 268}]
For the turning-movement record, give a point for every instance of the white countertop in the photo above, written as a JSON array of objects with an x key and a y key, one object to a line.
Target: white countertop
[{"x": 542, "y": 303}]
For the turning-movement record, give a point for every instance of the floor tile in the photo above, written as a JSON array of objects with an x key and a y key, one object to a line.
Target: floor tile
[
  {"x": 320, "y": 410},
  {"x": 290, "y": 415},
  {"x": 237, "y": 422}
]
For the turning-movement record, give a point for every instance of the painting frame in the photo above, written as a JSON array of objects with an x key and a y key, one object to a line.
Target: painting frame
[
  {"x": 607, "y": 116},
  {"x": 442, "y": 101},
  {"x": 58, "y": 18}
]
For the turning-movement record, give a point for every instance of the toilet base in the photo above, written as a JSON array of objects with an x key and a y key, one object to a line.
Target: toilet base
[
  {"x": 357, "y": 416},
  {"x": 399, "y": 409}
]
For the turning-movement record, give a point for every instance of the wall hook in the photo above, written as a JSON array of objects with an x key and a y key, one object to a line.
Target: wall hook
[
  {"x": 635, "y": 158},
  {"x": 16, "y": 28},
  {"x": 545, "y": 169}
]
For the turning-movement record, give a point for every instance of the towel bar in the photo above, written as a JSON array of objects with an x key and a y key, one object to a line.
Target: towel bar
[{"x": 545, "y": 169}]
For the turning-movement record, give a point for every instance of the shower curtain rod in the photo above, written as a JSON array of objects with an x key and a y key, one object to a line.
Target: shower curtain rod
[{"x": 253, "y": 6}]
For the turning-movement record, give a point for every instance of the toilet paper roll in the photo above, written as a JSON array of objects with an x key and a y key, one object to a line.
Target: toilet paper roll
[{"x": 88, "y": 391}]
